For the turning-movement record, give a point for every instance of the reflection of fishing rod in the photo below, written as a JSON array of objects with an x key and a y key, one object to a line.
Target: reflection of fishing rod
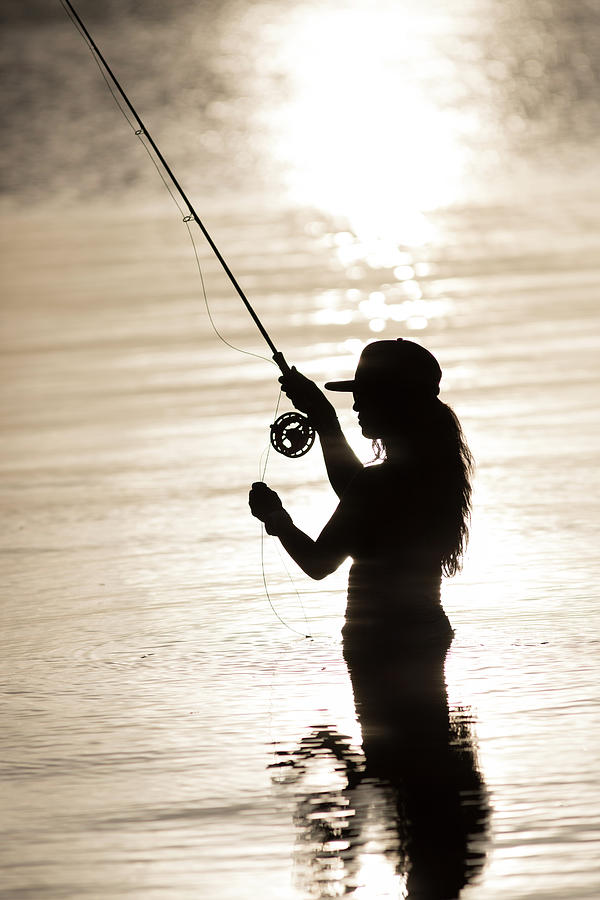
[{"x": 291, "y": 434}]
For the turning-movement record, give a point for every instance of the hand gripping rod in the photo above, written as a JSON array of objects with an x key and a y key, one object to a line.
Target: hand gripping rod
[{"x": 277, "y": 356}]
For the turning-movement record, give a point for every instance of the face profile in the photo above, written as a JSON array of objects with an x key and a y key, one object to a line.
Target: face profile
[{"x": 373, "y": 414}]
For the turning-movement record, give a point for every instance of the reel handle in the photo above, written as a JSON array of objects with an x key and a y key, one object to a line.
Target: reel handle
[{"x": 279, "y": 358}]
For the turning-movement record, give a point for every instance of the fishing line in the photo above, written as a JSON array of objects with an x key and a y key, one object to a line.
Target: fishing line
[
  {"x": 140, "y": 133},
  {"x": 193, "y": 216},
  {"x": 264, "y": 578},
  {"x": 291, "y": 434},
  {"x": 296, "y": 591},
  {"x": 262, "y": 468},
  {"x": 186, "y": 222},
  {"x": 267, "y": 450}
]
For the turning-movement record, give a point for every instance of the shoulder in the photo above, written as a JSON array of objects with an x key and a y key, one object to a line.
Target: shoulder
[
  {"x": 380, "y": 472},
  {"x": 385, "y": 475},
  {"x": 364, "y": 480},
  {"x": 376, "y": 482}
]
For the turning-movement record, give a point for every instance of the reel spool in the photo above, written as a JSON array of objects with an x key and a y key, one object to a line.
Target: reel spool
[{"x": 292, "y": 434}]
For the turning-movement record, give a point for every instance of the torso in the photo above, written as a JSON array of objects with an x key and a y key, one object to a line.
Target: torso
[{"x": 387, "y": 523}]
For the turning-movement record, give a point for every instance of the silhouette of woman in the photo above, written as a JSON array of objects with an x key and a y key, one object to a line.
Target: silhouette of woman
[{"x": 404, "y": 522}]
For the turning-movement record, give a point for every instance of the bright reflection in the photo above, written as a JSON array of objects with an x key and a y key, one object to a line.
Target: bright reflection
[
  {"x": 361, "y": 133},
  {"x": 402, "y": 302},
  {"x": 377, "y": 877}
]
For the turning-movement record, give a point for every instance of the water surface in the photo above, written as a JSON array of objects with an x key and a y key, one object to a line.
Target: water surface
[{"x": 369, "y": 170}]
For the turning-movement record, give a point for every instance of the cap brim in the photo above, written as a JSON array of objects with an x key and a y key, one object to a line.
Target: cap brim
[{"x": 340, "y": 385}]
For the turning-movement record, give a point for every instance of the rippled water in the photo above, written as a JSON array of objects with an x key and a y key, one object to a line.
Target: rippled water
[{"x": 367, "y": 169}]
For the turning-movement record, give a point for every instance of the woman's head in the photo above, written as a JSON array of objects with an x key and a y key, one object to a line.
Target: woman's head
[{"x": 392, "y": 377}]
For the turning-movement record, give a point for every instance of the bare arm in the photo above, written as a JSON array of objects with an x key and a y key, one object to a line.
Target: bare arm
[
  {"x": 341, "y": 462},
  {"x": 317, "y": 558}
]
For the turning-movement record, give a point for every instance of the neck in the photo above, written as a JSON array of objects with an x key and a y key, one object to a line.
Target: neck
[{"x": 395, "y": 446}]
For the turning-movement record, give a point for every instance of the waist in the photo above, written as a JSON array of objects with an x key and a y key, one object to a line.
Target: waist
[
  {"x": 388, "y": 578},
  {"x": 382, "y": 596}
]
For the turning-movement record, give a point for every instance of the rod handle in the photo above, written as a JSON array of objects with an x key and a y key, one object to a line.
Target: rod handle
[{"x": 280, "y": 360}]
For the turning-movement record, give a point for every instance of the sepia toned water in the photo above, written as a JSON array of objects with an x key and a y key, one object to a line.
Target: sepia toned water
[{"x": 368, "y": 169}]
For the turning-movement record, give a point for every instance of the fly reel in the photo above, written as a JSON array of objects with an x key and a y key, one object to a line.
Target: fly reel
[{"x": 292, "y": 434}]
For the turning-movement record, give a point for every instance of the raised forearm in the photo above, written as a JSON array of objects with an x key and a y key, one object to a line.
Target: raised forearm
[{"x": 341, "y": 462}]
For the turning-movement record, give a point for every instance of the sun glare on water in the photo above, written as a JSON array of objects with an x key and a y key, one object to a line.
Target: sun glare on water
[{"x": 362, "y": 135}]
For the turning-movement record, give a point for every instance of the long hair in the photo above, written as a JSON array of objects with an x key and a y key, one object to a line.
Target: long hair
[{"x": 434, "y": 442}]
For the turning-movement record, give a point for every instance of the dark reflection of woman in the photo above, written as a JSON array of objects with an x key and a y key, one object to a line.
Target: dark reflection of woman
[{"x": 404, "y": 522}]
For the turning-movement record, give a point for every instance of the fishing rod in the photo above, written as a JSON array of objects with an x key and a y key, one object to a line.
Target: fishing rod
[{"x": 292, "y": 433}]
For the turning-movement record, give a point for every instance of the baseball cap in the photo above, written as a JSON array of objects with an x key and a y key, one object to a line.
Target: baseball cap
[{"x": 389, "y": 364}]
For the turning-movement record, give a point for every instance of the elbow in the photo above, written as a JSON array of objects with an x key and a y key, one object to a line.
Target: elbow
[
  {"x": 318, "y": 569},
  {"x": 318, "y": 574}
]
